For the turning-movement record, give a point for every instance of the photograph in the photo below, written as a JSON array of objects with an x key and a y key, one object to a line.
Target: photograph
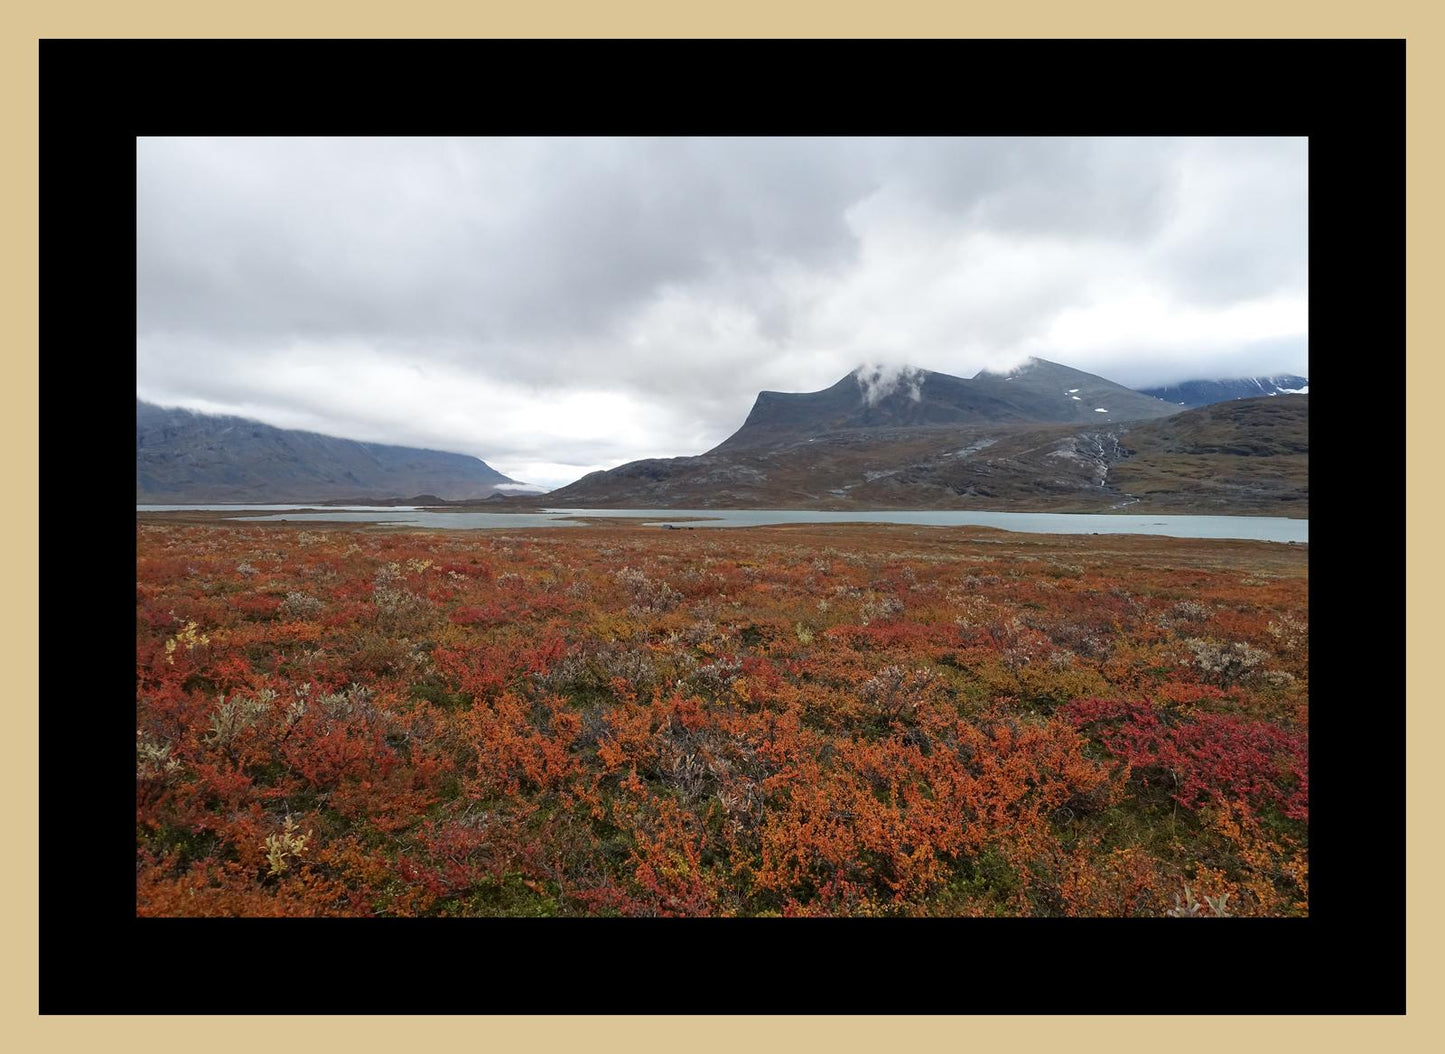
[{"x": 703, "y": 526}]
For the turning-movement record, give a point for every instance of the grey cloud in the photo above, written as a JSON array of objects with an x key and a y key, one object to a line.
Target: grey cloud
[
  {"x": 482, "y": 241},
  {"x": 1251, "y": 227},
  {"x": 878, "y": 380},
  {"x": 1059, "y": 188}
]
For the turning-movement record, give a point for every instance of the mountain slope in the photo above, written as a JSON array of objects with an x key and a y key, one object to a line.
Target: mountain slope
[
  {"x": 1202, "y": 393},
  {"x": 1241, "y": 455},
  {"x": 1037, "y": 392},
  {"x": 183, "y": 456},
  {"x": 1250, "y": 456}
]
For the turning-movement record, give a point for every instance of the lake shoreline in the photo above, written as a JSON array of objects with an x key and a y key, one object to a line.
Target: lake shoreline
[{"x": 1249, "y": 528}]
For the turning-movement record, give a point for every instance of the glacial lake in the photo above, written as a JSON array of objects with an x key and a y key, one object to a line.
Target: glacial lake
[{"x": 1256, "y": 528}]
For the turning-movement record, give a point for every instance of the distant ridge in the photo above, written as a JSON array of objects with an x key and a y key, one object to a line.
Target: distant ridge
[
  {"x": 183, "y": 456},
  {"x": 1190, "y": 394}
]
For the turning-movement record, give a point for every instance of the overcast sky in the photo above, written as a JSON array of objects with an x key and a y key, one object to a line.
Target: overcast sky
[{"x": 558, "y": 306}]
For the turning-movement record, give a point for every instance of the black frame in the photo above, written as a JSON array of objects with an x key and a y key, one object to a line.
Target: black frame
[{"x": 1348, "y": 97}]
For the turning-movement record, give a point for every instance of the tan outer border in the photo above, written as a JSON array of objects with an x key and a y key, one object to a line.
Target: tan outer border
[{"x": 29, "y": 20}]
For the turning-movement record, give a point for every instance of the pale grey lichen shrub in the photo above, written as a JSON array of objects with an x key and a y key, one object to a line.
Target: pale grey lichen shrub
[
  {"x": 391, "y": 597},
  {"x": 710, "y": 763},
  {"x": 895, "y": 691},
  {"x": 1290, "y": 631},
  {"x": 1229, "y": 663},
  {"x": 688, "y": 776},
  {"x": 233, "y": 715},
  {"x": 352, "y": 700},
  {"x": 1189, "y": 908},
  {"x": 153, "y": 758},
  {"x": 880, "y": 607},
  {"x": 1060, "y": 660},
  {"x": 419, "y": 658},
  {"x": 300, "y": 606},
  {"x": 717, "y": 676},
  {"x": 699, "y": 630},
  {"x": 595, "y": 665},
  {"x": 301, "y": 700},
  {"x": 972, "y": 610},
  {"x": 701, "y": 581},
  {"x": 648, "y": 595}
]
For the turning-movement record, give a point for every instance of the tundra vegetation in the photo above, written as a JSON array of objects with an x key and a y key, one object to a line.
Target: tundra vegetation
[{"x": 877, "y": 720}]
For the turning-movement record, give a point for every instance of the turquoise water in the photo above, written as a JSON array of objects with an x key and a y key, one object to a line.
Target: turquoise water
[
  {"x": 258, "y": 508},
  {"x": 1258, "y": 528}
]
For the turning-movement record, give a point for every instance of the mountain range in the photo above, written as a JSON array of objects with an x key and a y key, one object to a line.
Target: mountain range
[
  {"x": 1043, "y": 437},
  {"x": 1037, "y": 392},
  {"x": 182, "y": 456}
]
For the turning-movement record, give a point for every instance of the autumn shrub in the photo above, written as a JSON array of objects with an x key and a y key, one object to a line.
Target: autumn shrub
[
  {"x": 647, "y": 595},
  {"x": 1225, "y": 663},
  {"x": 895, "y": 693},
  {"x": 861, "y": 721},
  {"x": 877, "y": 608},
  {"x": 153, "y": 760},
  {"x": 397, "y": 606},
  {"x": 717, "y": 677},
  {"x": 594, "y": 666},
  {"x": 1207, "y": 758}
]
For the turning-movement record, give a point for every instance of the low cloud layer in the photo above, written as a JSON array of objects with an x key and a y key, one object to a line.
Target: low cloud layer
[
  {"x": 878, "y": 380},
  {"x": 558, "y": 306}
]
